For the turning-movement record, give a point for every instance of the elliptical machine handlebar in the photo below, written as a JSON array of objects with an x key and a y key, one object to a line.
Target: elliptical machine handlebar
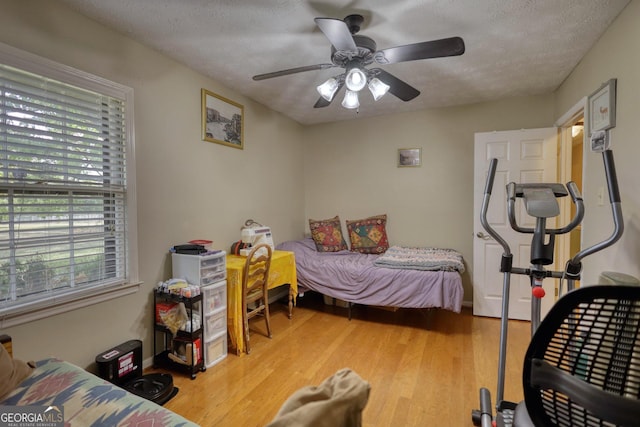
[
  {"x": 574, "y": 265},
  {"x": 576, "y": 198},
  {"x": 493, "y": 165},
  {"x": 572, "y": 188}
]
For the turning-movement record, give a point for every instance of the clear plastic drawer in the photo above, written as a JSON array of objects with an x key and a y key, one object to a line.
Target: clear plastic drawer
[
  {"x": 215, "y": 350},
  {"x": 214, "y": 297}
]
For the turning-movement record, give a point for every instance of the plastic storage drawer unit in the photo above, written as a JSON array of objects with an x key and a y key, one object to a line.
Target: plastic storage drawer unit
[
  {"x": 200, "y": 270},
  {"x": 214, "y": 299}
]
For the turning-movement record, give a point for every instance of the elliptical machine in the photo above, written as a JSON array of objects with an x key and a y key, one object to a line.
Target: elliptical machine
[{"x": 540, "y": 201}]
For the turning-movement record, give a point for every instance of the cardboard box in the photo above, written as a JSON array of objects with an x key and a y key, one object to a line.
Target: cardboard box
[
  {"x": 338, "y": 302},
  {"x": 188, "y": 351}
]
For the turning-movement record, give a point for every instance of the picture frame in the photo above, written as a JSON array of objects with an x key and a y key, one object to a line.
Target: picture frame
[
  {"x": 222, "y": 120},
  {"x": 409, "y": 157},
  {"x": 602, "y": 108}
]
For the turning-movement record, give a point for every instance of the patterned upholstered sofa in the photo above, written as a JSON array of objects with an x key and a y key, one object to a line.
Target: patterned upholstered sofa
[{"x": 83, "y": 398}]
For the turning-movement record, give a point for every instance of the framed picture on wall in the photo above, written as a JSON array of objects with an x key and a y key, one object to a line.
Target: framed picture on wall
[
  {"x": 409, "y": 157},
  {"x": 602, "y": 108},
  {"x": 222, "y": 120}
]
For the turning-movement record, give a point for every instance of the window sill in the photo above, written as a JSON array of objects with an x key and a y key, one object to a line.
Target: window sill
[{"x": 45, "y": 309}]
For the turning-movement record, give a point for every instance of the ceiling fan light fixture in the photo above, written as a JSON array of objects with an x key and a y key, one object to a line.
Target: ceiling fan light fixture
[
  {"x": 350, "y": 100},
  {"x": 378, "y": 88},
  {"x": 354, "y": 52},
  {"x": 328, "y": 89},
  {"x": 356, "y": 79}
]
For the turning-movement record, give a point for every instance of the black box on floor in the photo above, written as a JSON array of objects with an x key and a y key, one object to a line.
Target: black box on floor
[{"x": 121, "y": 364}]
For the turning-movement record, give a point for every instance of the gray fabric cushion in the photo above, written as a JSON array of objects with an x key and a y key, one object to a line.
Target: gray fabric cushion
[
  {"x": 337, "y": 402},
  {"x": 521, "y": 417}
]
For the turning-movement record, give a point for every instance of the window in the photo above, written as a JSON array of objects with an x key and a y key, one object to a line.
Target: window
[{"x": 67, "y": 218}]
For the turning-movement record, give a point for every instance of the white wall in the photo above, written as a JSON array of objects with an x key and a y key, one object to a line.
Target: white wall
[
  {"x": 287, "y": 173},
  {"x": 351, "y": 170},
  {"x": 615, "y": 55},
  {"x": 187, "y": 188}
]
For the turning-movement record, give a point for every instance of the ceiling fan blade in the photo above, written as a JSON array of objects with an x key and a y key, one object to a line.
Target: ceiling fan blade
[
  {"x": 321, "y": 102},
  {"x": 397, "y": 87},
  {"x": 338, "y": 33},
  {"x": 452, "y": 46},
  {"x": 292, "y": 71}
]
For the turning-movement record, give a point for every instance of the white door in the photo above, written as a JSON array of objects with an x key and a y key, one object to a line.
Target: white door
[{"x": 524, "y": 156}]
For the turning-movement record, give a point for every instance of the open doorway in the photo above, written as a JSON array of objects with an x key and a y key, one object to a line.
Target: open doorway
[
  {"x": 570, "y": 168},
  {"x": 577, "y": 151}
]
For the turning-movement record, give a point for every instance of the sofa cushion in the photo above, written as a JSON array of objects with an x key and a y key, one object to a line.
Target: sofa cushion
[
  {"x": 368, "y": 235},
  {"x": 327, "y": 234}
]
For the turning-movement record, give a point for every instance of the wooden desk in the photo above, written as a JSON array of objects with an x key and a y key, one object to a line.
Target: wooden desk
[{"x": 281, "y": 272}]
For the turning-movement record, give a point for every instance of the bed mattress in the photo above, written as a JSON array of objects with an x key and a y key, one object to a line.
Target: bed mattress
[{"x": 355, "y": 278}]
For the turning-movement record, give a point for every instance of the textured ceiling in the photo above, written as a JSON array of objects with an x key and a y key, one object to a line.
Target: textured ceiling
[{"x": 513, "y": 47}]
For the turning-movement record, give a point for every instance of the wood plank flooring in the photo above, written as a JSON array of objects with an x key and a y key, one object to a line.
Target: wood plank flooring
[{"x": 425, "y": 367}]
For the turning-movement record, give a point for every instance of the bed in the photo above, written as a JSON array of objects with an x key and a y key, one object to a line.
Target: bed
[
  {"x": 76, "y": 396},
  {"x": 401, "y": 277}
]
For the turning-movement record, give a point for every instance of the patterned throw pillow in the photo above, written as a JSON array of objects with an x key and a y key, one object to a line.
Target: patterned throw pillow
[
  {"x": 369, "y": 235},
  {"x": 327, "y": 235}
]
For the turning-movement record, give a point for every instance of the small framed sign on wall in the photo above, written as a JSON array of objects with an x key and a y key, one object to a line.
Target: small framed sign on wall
[
  {"x": 409, "y": 157},
  {"x": 602, "y": 108}
]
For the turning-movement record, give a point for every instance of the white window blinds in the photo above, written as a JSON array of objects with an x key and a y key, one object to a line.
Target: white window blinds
[{"x": 63, "y": 187}]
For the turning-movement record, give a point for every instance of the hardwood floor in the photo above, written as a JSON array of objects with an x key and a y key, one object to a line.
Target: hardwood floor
[{"x": 425, "y": 367}]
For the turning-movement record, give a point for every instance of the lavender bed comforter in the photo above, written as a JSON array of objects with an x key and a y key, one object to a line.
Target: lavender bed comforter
[{"x": 353, "y": 277}]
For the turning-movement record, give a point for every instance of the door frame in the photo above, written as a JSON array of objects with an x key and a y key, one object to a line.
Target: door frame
[{"x": 565, "y": 123}]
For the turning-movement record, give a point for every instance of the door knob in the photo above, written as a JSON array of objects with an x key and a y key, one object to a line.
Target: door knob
[{"x": 483, "y": 236}]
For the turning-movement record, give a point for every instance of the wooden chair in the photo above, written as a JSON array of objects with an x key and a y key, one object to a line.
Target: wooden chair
[{"x": 255, "y": 298}]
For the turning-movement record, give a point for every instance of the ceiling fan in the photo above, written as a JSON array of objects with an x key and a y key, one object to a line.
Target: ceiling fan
[{"x": 354, "y": 52}]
